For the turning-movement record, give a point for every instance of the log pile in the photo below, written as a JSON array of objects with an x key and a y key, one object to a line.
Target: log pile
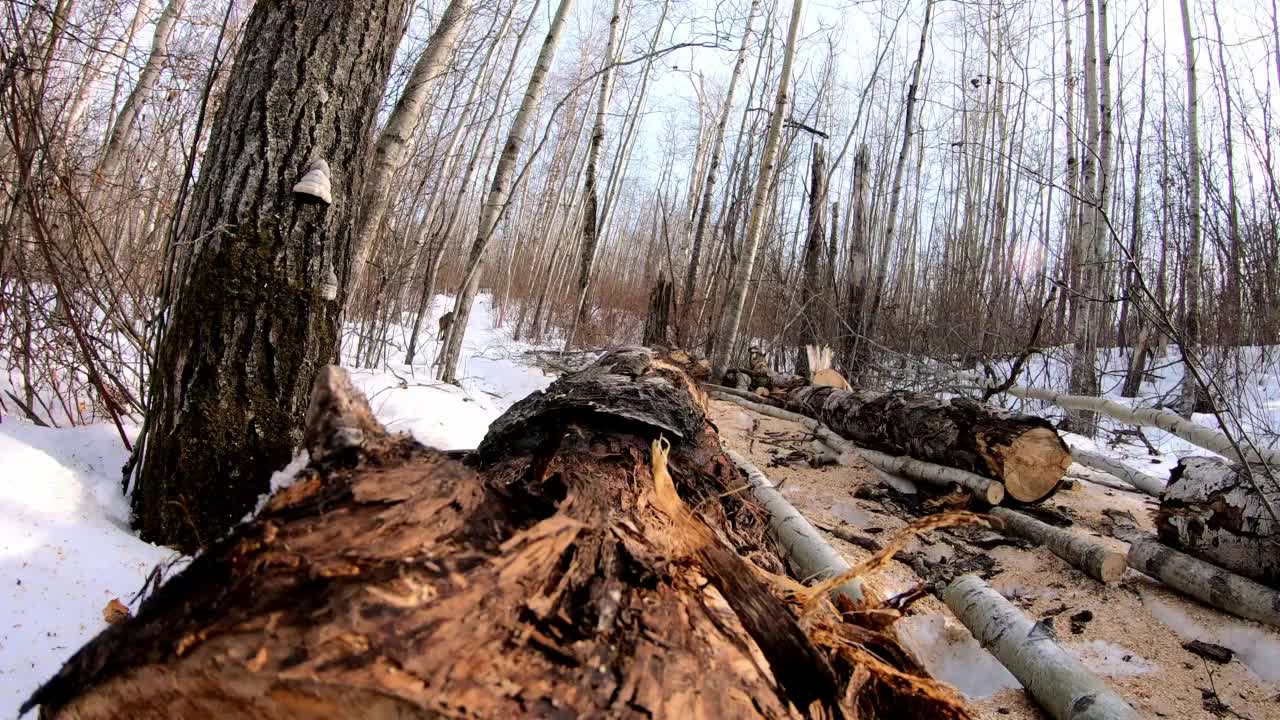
[
  {"x": 574, "y": 566},
  {"x": 1023, "y": 452},
  {"x": 1212, "y": 511}
]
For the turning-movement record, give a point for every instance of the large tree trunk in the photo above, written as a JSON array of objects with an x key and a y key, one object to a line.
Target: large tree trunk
[
  {"x": 257, "y": 314},
  {"x": 577, "y": 566},
  {"x": 1212, "y": 511},
  {"x": 1023, "y": 452}
]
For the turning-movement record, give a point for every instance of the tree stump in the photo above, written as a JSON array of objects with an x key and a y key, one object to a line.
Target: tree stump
[
  {"x": 573, "y": 567},
  {"x": 1210, "y": 510}
]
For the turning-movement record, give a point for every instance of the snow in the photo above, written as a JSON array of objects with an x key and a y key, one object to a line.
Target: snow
[
  {"x": 1255, "y": 646},
  {"x": 952, "y": 655},
  {"x": 65, "y": 545}
]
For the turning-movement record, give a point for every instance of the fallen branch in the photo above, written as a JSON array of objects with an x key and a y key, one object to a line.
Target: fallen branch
[
  {"x": 810, "y": 555},
  {"x": 1091, "y": 557},
  {"x": 1051, "y": 674},
  {"x": 1206, "y": 582},
  {"x": 1134, "y": 478},
  {"x": 985, "y": 489}
]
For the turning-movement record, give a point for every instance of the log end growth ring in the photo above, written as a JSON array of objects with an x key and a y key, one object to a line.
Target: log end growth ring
[{"x": 1034, "y": 464}]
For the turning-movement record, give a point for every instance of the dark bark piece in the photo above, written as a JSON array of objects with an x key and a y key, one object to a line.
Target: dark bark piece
[
  {"x": 658, "y": 321},
  {"x": 1210, "y": 510},
  {"x": 546, "y": 578},
  {"x": 258, "y": 309},
  {"x": 1209, "y": 651},
  {"x": 1023, "y": 452}
]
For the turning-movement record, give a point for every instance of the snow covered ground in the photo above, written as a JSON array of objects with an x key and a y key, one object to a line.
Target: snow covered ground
[{"x": 65, "y": 547}]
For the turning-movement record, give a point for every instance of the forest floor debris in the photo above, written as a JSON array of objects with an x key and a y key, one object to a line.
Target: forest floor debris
[{"x": 1131, "y": 633}]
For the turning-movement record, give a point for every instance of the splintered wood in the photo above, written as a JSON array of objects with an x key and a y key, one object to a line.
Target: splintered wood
[{"x": 576, "y": 565}]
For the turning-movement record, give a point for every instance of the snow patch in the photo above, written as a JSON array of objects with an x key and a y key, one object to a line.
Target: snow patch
[
  {"x": 1111, "y": 660},
  {"x": 951, "y": 654},
  {"x": 1255, "y": 646}
]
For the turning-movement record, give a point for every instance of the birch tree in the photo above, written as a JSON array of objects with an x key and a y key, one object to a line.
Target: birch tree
[
  {"x": 499, "y": 191},
  {"x": 737, "y": 294},
  {"x": 395, "y": 140}
]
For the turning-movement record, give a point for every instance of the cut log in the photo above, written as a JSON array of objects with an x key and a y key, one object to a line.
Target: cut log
[
  {"x": 1204, "y": 581},
  {"x": 811, "y": 557},
  {"x": 1051, "y": 674},
  {"x": 576, "y": 566},
  {"x": 1131, "y": 477},
  {"x": 1085, "y": 554},
  {"x": 1023, "y": 452},
  {"x": 1211, "y": 511},
  {"x": 985, "y": 489}
]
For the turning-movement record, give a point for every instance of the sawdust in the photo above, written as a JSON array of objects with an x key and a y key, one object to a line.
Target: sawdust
[{"x": 1141, "y": 657}]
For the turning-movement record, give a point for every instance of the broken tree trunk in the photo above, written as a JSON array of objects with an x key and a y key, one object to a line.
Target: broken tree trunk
[
  {"x": 1210, "y": 510},
  {"x": 1022, "y": 451},
  {"x": 985, "y": 489},
  {"x": 1053, "y": 676},
  {"x": 657, "y": 322},
  {"x": 577, "y": 565},
  {"x": 1086, "y": 554},
  {"x": 810, "y": 555}
]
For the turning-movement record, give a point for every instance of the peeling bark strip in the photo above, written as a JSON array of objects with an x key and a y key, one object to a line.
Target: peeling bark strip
[
  {"x": 577, "y": 567},
  {"x": 257, "y": 312},
  {"x": 1209, "y": 510},
  {"x": 1023, "y": 452},
  {"x": 1053, "y": 676}
]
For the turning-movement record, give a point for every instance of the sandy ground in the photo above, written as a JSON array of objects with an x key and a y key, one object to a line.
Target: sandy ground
[{"x": 1139, "y": 653}]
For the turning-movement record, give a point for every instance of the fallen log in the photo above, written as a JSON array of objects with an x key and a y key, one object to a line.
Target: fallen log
[
  {"x": 985, "y": 489},
  {"x": 1131, "y": 477},
  {"x": 575, "y": 566},
  {"x": 1191, "y": 576},
  {"x": 1089, "y": 556},
  {"x": 1052, "y": 675},
  {"x": 1172, "y": 423},
  {"x": 1211, "y": 511},
  {"x": 811, "y": 557},
  {"x": 1022, "y": 452}
]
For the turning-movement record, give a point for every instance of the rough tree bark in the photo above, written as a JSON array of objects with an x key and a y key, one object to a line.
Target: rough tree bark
[
  {"x": 1211, "y": 511},
  {"x": 855, "y": 344},
  {"x": 812, "y": 309},
  {"x": 657, "y": 322},
  {"x": 576, "y": 566},
  {"x": 1023, "y": 452},
  {"x": 257, "y": 313}
]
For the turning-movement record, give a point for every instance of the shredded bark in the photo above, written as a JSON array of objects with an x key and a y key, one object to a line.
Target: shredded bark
[{"x": 568, "y": 569}]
